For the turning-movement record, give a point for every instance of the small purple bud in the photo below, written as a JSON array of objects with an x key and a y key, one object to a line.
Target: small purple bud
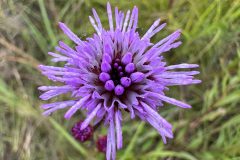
[
  {"x": 117, "y": 60},
  {"x": 105, "y": 67},
  {"x": 120, "y": 68},
  {"x": 137, "y": 77},
  {"x": 102, "y": 144},
  {"x": 109, "y": 85},
  {"x": 104, "y": 76},
  {"x": 119, "y": 90},
  {"x": 82, "y": 135},
  {"x": 125, "y": 81},
  {"x": 107, "y": 58},
  {"x": 115, "y": 65},
  {"x": 121, "y": 74},
  {"x": 130, "y": 68},
  {"x": 127, "y": 58}
]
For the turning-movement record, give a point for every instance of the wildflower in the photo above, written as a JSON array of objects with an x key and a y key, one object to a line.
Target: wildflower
[
  {"x": 102, "y": 144},
  {"x": 114, "y": 71},
  {"x": 82, "y": 135}
]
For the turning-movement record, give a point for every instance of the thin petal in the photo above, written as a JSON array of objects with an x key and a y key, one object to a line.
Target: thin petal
[
  {"x": 113, "y": 142},
  {"x": 110, "y": 19},
  {"x": 57, "y": 107},
  {"x": 97, "y": 19},
  {"x": 53, "y": 93},
  {"x": 74, "y": 108},
  {"x": 173, "y": 101},
  {"x": 70, "y": 34},
  {"x": 94, "y": 25},
  {"x": 158, "y": 29},
  {"x": 154, "y": 25},
  {"x": 126, "y": 21},
  {"x": 118, "y": 129},
  {"x": 183, "y": 65},
  {"x": 109, "y": 145},
  {"x": 55, "y": 104},
  {"x": 90, "y": 117},
  {"x": 154, "y": 114},
  {"x": 133, "y": 19}
]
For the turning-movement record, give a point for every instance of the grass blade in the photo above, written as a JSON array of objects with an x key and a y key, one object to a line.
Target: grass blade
[{"x": 47, "y": 23}]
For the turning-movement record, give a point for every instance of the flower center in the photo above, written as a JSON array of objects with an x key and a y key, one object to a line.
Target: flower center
[
  {"x": 118, "y": 71},
  {"x": 118, "y": 74}
]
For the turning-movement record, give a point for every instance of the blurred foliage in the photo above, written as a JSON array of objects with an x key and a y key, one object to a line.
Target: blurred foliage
[{"x": 211, "y": 38}]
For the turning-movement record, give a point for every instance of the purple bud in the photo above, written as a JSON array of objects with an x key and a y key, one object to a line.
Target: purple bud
[
  {"x": 105, "y": 67},
  {"x": 120, "y": 68},
  {"x": 125, "y": 81},
  {"x": 137, "y": 77},
  {"x": 127, "y": 58},
  {"x": 82, "y": 135},
  {"x": 102, "y": 144},
  {"x": 109, "y": 85},
  {"x": 119, "y": 90},
  {"x": 115, "y": 65},
  {"x": 130, "y": 68},
  {"x": 107, "y": 58},
  {"x": 121, "y": 74},
  {"x": 104, "y": 76},
  {"x": 117, "y": 60}
]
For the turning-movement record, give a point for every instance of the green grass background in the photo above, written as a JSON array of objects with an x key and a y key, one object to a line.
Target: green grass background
[{"x": 211, "y": 38}]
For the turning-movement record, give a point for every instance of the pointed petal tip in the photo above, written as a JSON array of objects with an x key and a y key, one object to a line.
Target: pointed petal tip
[
  {"x": 60, "y": 43},
  {"x": 60, "y": 23},
  {"x": 196, "y": 72},
  {"x": 158, "y": 21},
  {"x": 94, "y": 10},
  {"x": 119, "y": 146},
  {"x": 187, "y": 106},
  {"x": 197, "y": 81},
  {"x": 164, "y": 24},
  {"x": 83, "y": 126},
  {"x": 193, "y": 65},
  {"x": 46, "y": 114},
  {"x": 108, "y": 5},
  {"x": 41, "y": 88},
  {"x": 42, "y": 97},
  {"x": 43, "y": 106},
  {"x": 67, "y": 117},
  {"x": 135, "y": 7},
  {"x": 179, "y": 30},
  {"x": 40, "y": 66}
]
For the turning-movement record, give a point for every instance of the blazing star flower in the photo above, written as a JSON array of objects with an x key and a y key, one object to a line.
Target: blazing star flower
[{"x": 115, "y": 71}]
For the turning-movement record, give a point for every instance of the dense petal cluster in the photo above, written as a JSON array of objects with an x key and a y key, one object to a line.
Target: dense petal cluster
[{"x": 114, "y": 71}]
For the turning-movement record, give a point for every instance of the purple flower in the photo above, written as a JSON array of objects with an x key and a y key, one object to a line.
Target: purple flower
[
  {"x": 116, "y": 70},
  {"x": 102, "y": 144},
  {"x": 82, "y": 135}
]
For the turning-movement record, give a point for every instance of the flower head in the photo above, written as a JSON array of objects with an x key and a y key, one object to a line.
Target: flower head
[
  {"x": 102, "y": 144},
  {"x": 82, "y": 135},
  {"x": 116, "y": 70}
]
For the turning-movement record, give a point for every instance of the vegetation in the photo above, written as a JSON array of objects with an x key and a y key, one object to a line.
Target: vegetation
[{"x": 211, "y": 38}]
